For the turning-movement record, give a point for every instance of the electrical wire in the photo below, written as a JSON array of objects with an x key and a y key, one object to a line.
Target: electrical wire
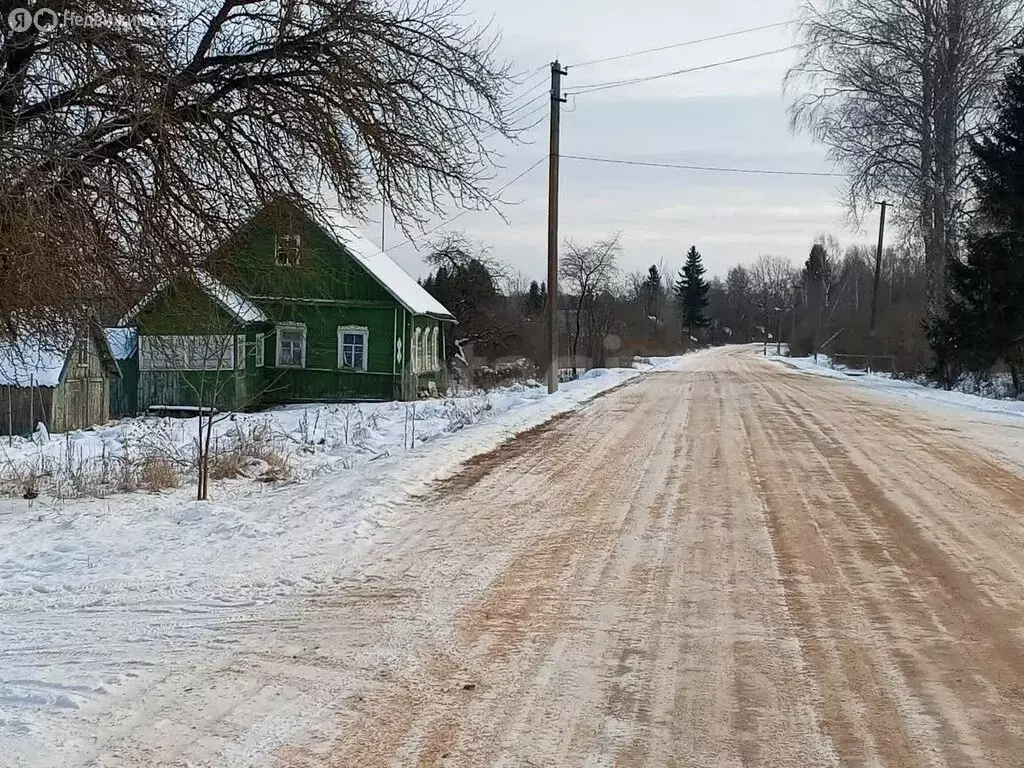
[
  {"x": 717, "y": 169},
  {"x": 528, "y": 115},
  {"x": 680, "y": 45},
  {"x": 527, "y": 89},
  {"x": 463, "y": 212},
  {"x": 513, "y": 112},
  {"x": 591, "y": 88}
]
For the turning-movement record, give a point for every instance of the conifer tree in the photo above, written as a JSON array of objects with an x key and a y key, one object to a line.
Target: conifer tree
[
  {"x": 534, "y": 299},
  {"x": 691, "y": 291},
  {"x": 984, "y": 321}
]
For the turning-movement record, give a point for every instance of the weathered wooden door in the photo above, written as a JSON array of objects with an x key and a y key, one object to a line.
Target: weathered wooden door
[{"x": 75, "y": 404}]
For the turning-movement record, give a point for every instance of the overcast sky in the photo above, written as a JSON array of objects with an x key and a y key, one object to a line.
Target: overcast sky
[{"x": 733, "y": 115}]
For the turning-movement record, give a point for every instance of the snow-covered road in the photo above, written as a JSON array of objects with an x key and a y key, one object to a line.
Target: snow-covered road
[
  {"x": 729, "y": 563},
  {"x": 104, "y": 600}
]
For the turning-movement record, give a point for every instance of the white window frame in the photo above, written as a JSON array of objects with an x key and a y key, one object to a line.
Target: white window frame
[
  {"x": 240, "y": 351},
  {"x": 435, "y": 351},
  {"x": 185, "y": 353},
  {"x": 290, "y": 242},
  {"x": 360, "y": 330},
  {"x": 417, "y": 351},
  {"x": 301, "y": 327},
  {"x": 261, "y": 350}
]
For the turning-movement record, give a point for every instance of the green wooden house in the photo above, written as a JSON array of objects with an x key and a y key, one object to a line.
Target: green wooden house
[{"x": 289, "y": 310}]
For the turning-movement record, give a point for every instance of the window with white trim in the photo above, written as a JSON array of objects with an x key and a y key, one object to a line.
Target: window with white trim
[
  {"x": 435, "y": 349},
  {"x": 417, "y": 351},
  {"x": 291, "y": 345},
  {"x": 353, "y": 346},
  {"x": 186, "y": 353},
  {"x": 260, "y": 350},
  {"x": 286, "y": 250}
]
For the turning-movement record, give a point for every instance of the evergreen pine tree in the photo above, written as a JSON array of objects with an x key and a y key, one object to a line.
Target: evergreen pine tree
[
  {"x": 534, "y": 299},
  {"x": 984, "y": 320},
  {"x": 652, "y": 285},
  {"x": 691, "y": 291},
  {"x": 652, "y": 292}
]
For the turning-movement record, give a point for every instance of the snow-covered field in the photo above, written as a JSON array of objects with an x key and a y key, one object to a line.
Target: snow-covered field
[{"x": 96, "y": 591}]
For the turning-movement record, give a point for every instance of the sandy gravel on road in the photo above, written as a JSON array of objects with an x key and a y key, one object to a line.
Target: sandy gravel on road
[{"x": 735, "y": 565}]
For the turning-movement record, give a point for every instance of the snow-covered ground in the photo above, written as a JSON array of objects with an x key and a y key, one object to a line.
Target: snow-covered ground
[
  {"x": 921, "y": 395},
  {"x": 994, "y": 427},
  {"x": 96, "y": 591}
]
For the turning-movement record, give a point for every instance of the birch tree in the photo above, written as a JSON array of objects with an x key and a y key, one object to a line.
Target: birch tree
[
  {"x": 894, "y": 89},
  {"x": 586, "y": 271}
]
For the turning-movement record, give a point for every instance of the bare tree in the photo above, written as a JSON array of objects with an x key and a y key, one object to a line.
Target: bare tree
[
  {"x": 124, "y": 143},
  {"x": 587, "y": 271},
  {"x": 895, "y": 88},
  {"x": 771, "y": 280}
]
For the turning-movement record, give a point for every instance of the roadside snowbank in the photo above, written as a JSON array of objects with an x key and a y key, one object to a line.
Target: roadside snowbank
[
  {"x": 921, "y": 395},
  {"x": 97, "y": 593}
]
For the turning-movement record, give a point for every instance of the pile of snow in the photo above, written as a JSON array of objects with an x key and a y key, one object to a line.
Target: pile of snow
[
  {"x": 309, "y": 439},
  {"x": 921, "y": 393}
]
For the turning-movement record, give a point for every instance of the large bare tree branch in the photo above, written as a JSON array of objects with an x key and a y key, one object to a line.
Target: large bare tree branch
[{"x": 122, "y": 147}]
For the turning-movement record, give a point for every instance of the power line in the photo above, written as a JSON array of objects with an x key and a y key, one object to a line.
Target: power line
[
  {"x": 633, "y": 81},
  {"x": 528, "y": 115},
  {"x": 680, "y": 45},
  {"x": 512, "y": 112},
  {"x": 463, "y": 212},
  {"x": 527, "y": 88},
  {"x": 716, "y": 169}
]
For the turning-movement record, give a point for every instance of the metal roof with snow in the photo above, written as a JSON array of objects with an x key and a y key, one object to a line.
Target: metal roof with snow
[
  {"x": 122, "y": 342},
  {"x": 37, "y": 359},
  {"x": 395, "y": 280},
  {"x": 237, "y": 305},
  {"x": 32, "y": 361}
]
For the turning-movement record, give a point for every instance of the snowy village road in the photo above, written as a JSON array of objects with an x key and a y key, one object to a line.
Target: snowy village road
[{"x": 733, "y": 565}]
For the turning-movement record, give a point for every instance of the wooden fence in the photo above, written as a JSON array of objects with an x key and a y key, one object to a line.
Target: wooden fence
[{"x": 21, "y": 408}]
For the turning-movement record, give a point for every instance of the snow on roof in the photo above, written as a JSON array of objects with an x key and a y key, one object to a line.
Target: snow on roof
[
  {"x": 34, "y": 360},
  {"x": 243, "y": 310},
  {"x": 231, "y": 300},
  {"x": 122, "y": 342},
  {"x": 392, "y": 277}
]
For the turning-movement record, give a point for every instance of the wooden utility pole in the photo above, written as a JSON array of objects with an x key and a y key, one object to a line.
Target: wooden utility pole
[
  {"x": 556, "y": 108},
  {"x": 878, "y": 266}
]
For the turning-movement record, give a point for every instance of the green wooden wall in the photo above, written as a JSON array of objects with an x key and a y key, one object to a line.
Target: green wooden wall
[{"x": 328, "y": 289}]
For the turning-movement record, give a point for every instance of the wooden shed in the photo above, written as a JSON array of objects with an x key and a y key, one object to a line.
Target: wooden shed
[{"x": 61, "y": 380}]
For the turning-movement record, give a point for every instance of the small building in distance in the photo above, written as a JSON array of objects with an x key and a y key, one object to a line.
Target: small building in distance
[{"x": 60, "y": 379}]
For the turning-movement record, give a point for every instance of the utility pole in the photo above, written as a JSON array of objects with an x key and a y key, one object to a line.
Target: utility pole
[
  {"x": 878, "y": 266},
  {"x": 556, "y": 108},
  {"x": 778, "y": 338}
]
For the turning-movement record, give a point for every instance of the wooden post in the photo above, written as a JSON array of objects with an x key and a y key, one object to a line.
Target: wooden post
[
  {"x": 878, "y": 266},
  {"x": 556, "y": 104},
  {"x": 778, "y": 338}
]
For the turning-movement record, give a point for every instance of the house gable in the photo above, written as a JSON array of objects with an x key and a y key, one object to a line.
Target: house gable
[
  {"x": 323, "y": 272},
  {"x": 183, "y": 308}
]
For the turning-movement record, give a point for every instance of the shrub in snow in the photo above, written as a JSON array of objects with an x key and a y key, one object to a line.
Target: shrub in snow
[
  {"x": 156, "y": 474},
  {"x": 505, "y": 373},
  {"x": 42, "y": 435}
]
